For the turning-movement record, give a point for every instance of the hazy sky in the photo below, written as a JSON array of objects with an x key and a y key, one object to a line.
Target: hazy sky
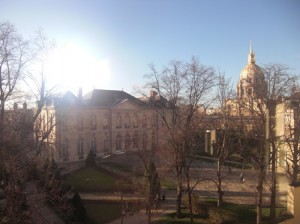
[{"x": 109, "y": 44}]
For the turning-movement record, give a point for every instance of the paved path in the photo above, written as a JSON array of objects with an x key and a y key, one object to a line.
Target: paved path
[{"x": 41, "y": 214}]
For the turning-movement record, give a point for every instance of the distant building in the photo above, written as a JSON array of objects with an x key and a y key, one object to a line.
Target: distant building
[
  {"x": 250, "y": 101},
  {"x": 252, "y": 83},
  {"x": 18, "y": 128},
  {"x": 104, "y": 121}
]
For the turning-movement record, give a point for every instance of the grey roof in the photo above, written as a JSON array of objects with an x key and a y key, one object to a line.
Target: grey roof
[{"x": 109, "y": 98}]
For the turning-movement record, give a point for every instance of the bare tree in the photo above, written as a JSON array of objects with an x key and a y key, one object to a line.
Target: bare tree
[
  {"x": 280, "y": 84},
  {"x": 185, "y": 86},
  {"x": 252, "y": 118},
  {"x": 225, "y": 93},
  {"x": 16, "y": 126},
  {"x": 15, "y": 55},
  {"x": 292, "y": 137}
]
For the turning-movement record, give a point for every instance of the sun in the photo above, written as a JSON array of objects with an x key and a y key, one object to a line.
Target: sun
[{"x": 71, "y": 67}]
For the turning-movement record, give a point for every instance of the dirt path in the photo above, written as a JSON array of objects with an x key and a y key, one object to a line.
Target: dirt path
[{"x": 41, "y": 214}]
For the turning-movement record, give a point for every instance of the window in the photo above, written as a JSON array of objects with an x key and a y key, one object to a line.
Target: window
[
  {"x": 144, "y": 140},
  {"x": 64, "y": 122},
  {"x": 135, "y": 121},
  {"x": 144, "y": 121},
  {"x": 105, "y": 121},
  {"x": 153, "y": 141},
  {"x": 135, "y": 140},
  {"x": 106, "y": 142},
  {"x": 80, "y": 148},
  {"x": 242, "y": 92},
  {"x": 119, "y": 121},
  {"x": 94, "y": 143},
  {"x": 153, "y": 120},
  {"x": 93, "y": 122},
  {"x": 127, "y": 121},
  {"x": 127, "y": 141},
  {"x": 119, "y": 142},
  {"x": 249, "y": 92},
  {"x": 65, "y": 150},
  {"x": 79, "y": 122}
]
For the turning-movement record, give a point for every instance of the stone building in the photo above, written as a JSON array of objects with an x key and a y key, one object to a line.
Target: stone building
[{"x": 104, "y": 121}]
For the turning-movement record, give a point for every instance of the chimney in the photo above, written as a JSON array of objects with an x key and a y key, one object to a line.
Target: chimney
[
  {"x": 24, "y": 106},
  {"x": 152, "y": 94},
  {"x": 15, "y": 106}
]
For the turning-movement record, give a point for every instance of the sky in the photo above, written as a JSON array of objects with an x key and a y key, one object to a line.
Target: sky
[{"x": 110, "y": 44}]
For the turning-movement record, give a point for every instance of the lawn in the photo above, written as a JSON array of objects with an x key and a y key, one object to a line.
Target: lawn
[
  {"x": 101, "y": 212},
  {"x": 229, "y": 213},
  {"x": 90, "y": 179},
  {"x": 119, "y": 166}
]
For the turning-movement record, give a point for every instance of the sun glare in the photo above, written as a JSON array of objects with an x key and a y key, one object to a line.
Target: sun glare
[{"x": 71, "y": 67}]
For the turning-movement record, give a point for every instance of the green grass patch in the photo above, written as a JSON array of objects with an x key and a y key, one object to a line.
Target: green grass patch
[
  {"x": 101, "y": 212},
  {"x": 229, "y": 213},
  {"x": 118, "y": 166},
  {"x": 168, "y": 184},
  {"x": 91, "y": 179}
]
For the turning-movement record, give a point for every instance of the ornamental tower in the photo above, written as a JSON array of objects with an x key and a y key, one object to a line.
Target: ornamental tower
[{"x": 252, "y": 82}]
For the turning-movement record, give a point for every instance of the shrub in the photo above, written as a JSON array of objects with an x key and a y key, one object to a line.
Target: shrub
[
  {"x": 79, "y": 209},
  {"x": 90, "y": 159},
  {"x": 200, "y": 207}
]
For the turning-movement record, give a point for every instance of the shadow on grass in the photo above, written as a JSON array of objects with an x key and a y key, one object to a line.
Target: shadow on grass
[
  {"x": 229, "y": 214},
  {"x": 101, "y": 212},
  {"x": 92, "y": 179}
]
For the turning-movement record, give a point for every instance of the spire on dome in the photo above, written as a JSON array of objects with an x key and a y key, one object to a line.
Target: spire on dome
[{"x": 251, "y": 56}]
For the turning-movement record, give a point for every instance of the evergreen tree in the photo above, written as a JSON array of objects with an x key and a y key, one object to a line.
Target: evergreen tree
[{"x": 79, "y": 209}]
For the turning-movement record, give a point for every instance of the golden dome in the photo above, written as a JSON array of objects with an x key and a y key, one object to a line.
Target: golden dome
[{"x": 251, "y": 70}]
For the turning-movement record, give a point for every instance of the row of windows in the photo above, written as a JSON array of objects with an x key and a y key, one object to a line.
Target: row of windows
[
  {"x": 121, "y": 143},
  {"x": 125, "y": 121}
]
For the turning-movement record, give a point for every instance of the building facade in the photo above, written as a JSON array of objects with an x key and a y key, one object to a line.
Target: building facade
[{"x": 104, "y": 121}]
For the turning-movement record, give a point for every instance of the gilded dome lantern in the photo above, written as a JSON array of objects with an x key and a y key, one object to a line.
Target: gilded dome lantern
[{"x": 252, "y": 82}]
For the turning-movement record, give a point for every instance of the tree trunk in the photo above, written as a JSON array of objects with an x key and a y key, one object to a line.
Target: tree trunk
[
  {"x": 295, "y": 158},
  {"x": 219, "y": 184},
  {"x": 150, "y": 199},
  {"x": 179, "y": 195},
  {"x": 273, "y": 183},
  {"x": 259, "y": 194},
  {"x": 270, "y": 122},
  {"x": 189, "y": 197}
]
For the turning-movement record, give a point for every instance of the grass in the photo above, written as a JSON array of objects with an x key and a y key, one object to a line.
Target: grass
[
  {"x": 168, "y": 184},
  {"x": 101, "y": 212},
  {"x": 230, "y": 213},
  {"x": 90, "y": 179},
  {"x": 118, "y": 166}
]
